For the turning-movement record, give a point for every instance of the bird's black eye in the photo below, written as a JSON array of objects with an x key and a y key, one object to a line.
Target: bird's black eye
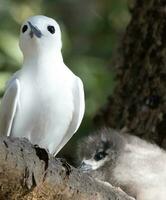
[
  {"x": 51, "y": 29},
  {"x": 24, "y": 28},
  {"x": 100, "y": 155}
]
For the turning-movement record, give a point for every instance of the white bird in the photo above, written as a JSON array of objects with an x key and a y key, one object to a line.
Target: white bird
[{"x": 44, "y": 101}]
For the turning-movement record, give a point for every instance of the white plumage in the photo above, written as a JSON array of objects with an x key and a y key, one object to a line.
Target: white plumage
[{"x": 44, "y": 101}]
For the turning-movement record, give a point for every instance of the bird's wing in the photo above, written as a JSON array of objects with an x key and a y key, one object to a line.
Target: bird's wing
[
  {"x": 78, "y": 113},
  {"x": 13, "y": 78},
  {"x": 9, "y": 106},
  {"x": 79, "y": 106}
]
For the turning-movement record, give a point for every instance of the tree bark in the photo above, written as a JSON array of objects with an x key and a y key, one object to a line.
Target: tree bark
[
  {"x": 28, "y": 172},
  {"x": 139, "y": 99}
]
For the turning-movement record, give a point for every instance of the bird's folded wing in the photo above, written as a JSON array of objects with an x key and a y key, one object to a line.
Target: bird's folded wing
[
  {"x": 9, "y": 106},
  {"x": 78, "y": 113},
  {"x": 79, "y": 106},
  {"x": 12, "y": 79}
]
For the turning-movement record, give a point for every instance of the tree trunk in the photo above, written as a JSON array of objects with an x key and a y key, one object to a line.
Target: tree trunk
[{"x": 139, "y": 99}]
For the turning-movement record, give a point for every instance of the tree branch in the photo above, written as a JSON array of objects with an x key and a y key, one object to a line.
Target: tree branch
[{"x": 28, "y": 172}]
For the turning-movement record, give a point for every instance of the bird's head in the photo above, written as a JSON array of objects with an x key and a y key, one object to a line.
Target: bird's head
[
  {"x": 100, "y": 148},
  {"x": 40, "y": 34}
]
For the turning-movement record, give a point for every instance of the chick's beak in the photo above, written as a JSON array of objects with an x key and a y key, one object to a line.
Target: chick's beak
[
  {"x": 85, "y": 167},
  {"x": 34, "y": 31}
]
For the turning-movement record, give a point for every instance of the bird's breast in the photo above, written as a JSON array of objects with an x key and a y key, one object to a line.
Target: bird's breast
[{"x": 45, "y": 110}]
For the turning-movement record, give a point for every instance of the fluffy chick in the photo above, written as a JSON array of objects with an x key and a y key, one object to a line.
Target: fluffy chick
[{"x": 125, "y": 161}]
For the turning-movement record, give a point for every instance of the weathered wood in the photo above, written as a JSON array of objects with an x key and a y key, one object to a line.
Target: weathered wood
[{"x": 28, "y": 172}]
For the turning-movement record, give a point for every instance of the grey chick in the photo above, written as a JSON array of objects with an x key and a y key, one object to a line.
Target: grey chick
[{"x": 125, "y": 161}]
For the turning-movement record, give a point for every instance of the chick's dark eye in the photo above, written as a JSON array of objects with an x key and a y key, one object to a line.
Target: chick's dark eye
[
  {"x": 24, "y": 28},
  {"x": 51, "y": 29},
  {"x": 100, "y": 155}
]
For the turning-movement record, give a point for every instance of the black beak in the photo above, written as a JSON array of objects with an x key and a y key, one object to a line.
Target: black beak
[
  {"x": 85, "y": 167},
  {"x": 34, "y": 31}
]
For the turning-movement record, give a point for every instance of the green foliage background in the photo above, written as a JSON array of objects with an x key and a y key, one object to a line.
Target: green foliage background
[{"x": 91, "y": 31}]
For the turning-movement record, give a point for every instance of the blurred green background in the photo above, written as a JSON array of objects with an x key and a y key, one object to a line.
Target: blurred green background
[{"x": 91, "y": 32}]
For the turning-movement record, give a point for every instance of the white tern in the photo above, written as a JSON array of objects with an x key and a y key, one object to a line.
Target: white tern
[{"x": 44, "y": 100}]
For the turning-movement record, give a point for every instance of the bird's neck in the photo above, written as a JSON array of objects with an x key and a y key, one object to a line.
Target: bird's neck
[{"x": 43, "y": 61}]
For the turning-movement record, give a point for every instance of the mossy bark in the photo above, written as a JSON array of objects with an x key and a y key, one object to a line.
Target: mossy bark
[{"x": 139, "y": 99}]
